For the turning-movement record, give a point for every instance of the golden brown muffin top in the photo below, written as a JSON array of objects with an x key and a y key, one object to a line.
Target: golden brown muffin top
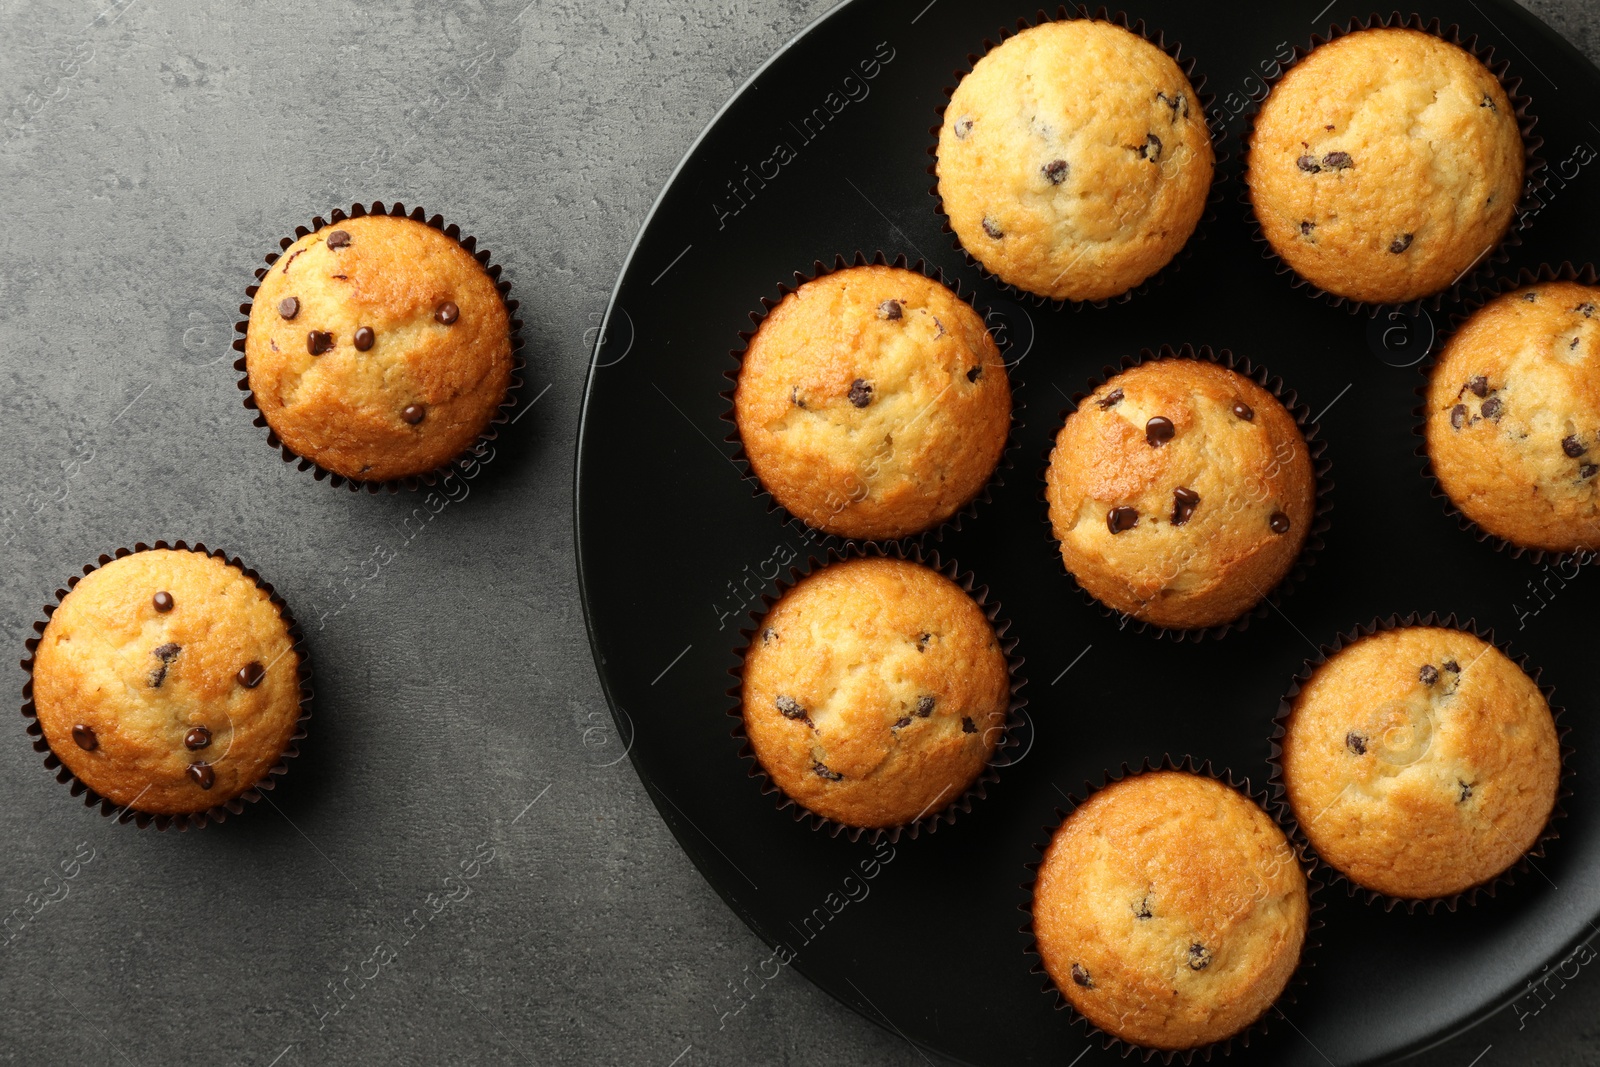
[
  {"x": 873, "y": 403},
  {"x": 167, "y": 682},
  {"x": 1170, "y": 910},
  {"x": 378, "y": 347},
  {"x": 1385, "y": 164},
  {"x": 1421, "y": 761},
  {"x": 1513, "y": 426},
  {"x": 1181, "y": 492},
  {"x": 874, "y": 692},
  {"x": 1074, "y": 160}
]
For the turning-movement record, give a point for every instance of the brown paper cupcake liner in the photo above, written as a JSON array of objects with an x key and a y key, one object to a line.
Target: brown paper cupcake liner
[
  {"x": 1203, "y": 100},
  {"x": 1291, "y": 822},
  {"x": 1320, "y": 469},
  {"x": 1473, "y": 303},
  {"x": 490, "y": 432},
  {"x": 1487, "y": 264},
  {"x": 189, "y": 820},
  {"x": 978, "y": 789},
  {"x": 821, "y": 539},
  {"x": 1260, "y": 1027}
]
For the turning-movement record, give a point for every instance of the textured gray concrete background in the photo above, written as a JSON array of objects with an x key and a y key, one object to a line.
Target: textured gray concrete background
[{"x": 533, "y": 908}]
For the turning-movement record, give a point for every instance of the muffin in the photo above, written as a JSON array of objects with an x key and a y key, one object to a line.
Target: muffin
[
  {"x": 378, "y": 348},
  {"x": 1074, "y": 160},
  {"x": 167, "y": 681},
  {"x": 874, "y": 692},
  {"x": 1513, "y": 417},
  {"x": 1385, "y": 164},
  {"x": 1181, "y": 493},
  {"x": 872, "y": 403},
  {"x": 1170, "y": 911},
  {"x": 1421, "y": 761}
]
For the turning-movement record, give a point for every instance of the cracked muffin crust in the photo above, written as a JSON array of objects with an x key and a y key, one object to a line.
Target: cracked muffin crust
[
  {"x": 1181, "y": 493},
  {"x": 1170, "y": 910},
  {"x": 1074, "y": 160},
  {"x": 1421, "y": 761},
  {"x": 874, "y": 692},
  {"x": 1385, "y": 164},
  {"x": 1513, "y": 417},
  {"x": 378, "y": 348},
  {"x": 167, "y": 682},
  {"x": 873, "y": 403}
]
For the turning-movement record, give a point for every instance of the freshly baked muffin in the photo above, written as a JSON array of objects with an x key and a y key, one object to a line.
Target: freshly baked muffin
[
  {"x": 1181, "y": 493},
  {"x": 873, "y": 403},
  {"x": 1074, "y": 161},
  {"x": 1385, "y": 164},
  {"x": 874, "y": 692},
  {"x": 167, "y": 681},
  {"x": 378, "y": 348},
  {"x": 1421, "y": 761},
  {"x": 1170, "y": 910},
  {"x": 1513, "y": 428}
]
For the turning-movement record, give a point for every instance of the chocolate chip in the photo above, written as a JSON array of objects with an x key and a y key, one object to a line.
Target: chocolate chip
[
  {"x": 924, "y": 707},
  {"x": 766, "y": 636},
  {"x": 1199, "y": 957},
  {"x": 85, "y": 737},
  {"x": 963, "y": 127},
  {"x": 1401, "y": 243},
  {"x": 940, "y": 327},
  {"x": 922, "y": 642},
  {"x": 1531, "y": 297},
  {"x": 1458, "y": 416},
  {"x": 339, "y": 239},
  {"x": 1081, "y": 976},
  {"x": 1587, "y": 309},
  {"x": 203, "y": 775},
  {"x": 1184, "y": 501},
  {"x": 413, "y": 413},
  {"x": 1573, "y": 447},
  {"x": 1159, "y": 430},
  {"x": 1308, "y": 163},
  {"x": 1143, "y": 910},
  {"x": 1244, "y": 411},
  {"x": 1488, "y": 102},
  {"x": 1479, "y": 385},
  {"x": 974, "y": 374},
  {"x": 1355, "y": 743},
  {"x": 901, "y": 723},
  {"x": 447, "y": 313},
  {"x": 891, "y": 310},
  {"x": 166, "y": 654},
  {"x": 1573, "y": 345},
  {"x": 992, "y": 228},
  {"x": 794, "y": 397},
  {"x": 318, "y": 342},
  {"x": 860, "y": 392},
  {"x": 1279, "y": 522},
  {"x": 968, "y": 726},
  {"x": 823, "y": 772},
  {"x": 1587, "y": 471},
  {"x": 1452, "y": 666},
  {"x": 1492, "y": 408},
  {"x": 1429, "y": 674},
  {"x": 1119, "y": 520},
  {"x": 197, "y": 738},
  {"x": 1056, "y": 171},
  {"x": 163, "y": 601},
  {"x": 790, "y": 707},
  {"x": 1110, "y": 400},
  {"x": 289, "y": 307},
  {"x": 364, "y": 338},
  {"x": 250, "y": 675},
  {"x": 1151, "y": 149},
  {"x": 1306, "y": 227},
  {"x": 1175, "y": 103},
  {"x": 1466, "y": 792},
  {"x": 1338, "y": 161}
]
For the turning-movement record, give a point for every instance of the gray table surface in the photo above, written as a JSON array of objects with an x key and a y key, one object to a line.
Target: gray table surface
[{"x": 151, "y": 152}]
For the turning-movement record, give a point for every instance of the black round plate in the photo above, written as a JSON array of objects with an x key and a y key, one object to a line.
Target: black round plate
[{"x": 813, "y": 158}]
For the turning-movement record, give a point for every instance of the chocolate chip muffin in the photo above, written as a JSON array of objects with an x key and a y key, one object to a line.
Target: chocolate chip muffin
[
  {"x": 1385, "y": 164},
  {"x": 874, "y": 692},
  {"x": 1513, "y": 417},
  {"x": 872, "y": 403},
  {"x": 167, "y": 681},
  {"x": 1421, "y": 761},
  {"x": 1181, "y": 493},
  {"x": 1170, "y": 910},
  {"x": 1074, "y": 161},
  {"x": 378, "y": 348}
]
